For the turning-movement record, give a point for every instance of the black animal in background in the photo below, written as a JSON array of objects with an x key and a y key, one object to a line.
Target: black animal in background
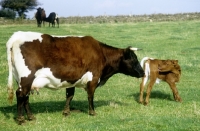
[{"x": 40, "y": 16}]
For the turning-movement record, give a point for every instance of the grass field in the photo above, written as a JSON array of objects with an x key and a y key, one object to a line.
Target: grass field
[{"x": 116, "y": 103}]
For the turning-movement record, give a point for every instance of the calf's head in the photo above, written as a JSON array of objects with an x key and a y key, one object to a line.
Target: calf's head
[{"x": 130, "y": 65}]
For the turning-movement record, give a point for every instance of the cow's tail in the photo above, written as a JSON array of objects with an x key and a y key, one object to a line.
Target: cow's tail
[{"x": 10, "y": 75}]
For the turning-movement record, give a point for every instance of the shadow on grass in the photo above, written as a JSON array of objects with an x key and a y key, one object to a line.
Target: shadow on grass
[
  {"x": 154, "y": 95},
  {"x": 53, "y": 106}
]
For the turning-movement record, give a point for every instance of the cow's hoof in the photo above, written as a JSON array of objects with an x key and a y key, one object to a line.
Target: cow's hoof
[
  {"x": 92, "y": 113},
  {"x": 31, "y": 117},
  {"x": 66, "y": 112},
  {"x": 20, "y": 120}
]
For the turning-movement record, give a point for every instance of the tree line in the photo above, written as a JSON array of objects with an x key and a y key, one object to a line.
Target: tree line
[{"x": 13, "y": 8}]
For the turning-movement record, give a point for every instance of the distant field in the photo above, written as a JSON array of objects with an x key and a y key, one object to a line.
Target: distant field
[
  {"x": 112, "y": 19},
  {"x": 116, "y": 103}
]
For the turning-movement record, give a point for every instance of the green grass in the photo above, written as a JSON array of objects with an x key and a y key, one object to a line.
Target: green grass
[{"x": 116, "y": 102}]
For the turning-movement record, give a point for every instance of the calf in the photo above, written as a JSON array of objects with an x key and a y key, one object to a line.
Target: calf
[{"x": 166, "y": 70}]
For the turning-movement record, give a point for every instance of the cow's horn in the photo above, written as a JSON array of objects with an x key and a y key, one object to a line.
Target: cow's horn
[{"x": 135, "y": 49}]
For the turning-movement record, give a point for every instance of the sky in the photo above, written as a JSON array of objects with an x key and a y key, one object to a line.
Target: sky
[{"x": 66, "y": 8}]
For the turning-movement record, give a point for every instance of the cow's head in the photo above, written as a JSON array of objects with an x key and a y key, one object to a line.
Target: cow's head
[{"x": 130, "y": 64}]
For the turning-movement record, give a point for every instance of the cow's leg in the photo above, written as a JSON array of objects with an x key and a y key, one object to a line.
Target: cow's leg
[
  {"x": 23, "y": 103},
  {"x": 174, "y": 90},
  {"x": 53, "y": 23},
  {"x": 38, "y": 24},
  {"x": 142, "y": 85},
  {"x": 69, "y": 97},
  {"x": 57, "y": 20},
  {"x": 22, "y": 95},
  {"x": 149, "y": 88},
  {"x": 20, "y": 102},
  {"x": 90, "y": 91},
  {"x": 27, "y": 108},
  {"x": 43, "y": 23}
]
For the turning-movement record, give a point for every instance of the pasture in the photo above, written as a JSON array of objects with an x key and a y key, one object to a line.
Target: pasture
[{"x": 116, "y": 103}]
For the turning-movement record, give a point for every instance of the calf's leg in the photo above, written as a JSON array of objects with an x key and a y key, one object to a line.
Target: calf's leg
[
  {"x": 69, "y": 97},
  {"x": 175, "y": 91},
  {"x": 149, "y": 88},
  {"x": 171, "y": 79},
  {"x": 142, "y": 85}
]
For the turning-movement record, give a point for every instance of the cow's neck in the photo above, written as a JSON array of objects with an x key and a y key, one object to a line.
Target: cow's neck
[{"x": 112, "y": 61}]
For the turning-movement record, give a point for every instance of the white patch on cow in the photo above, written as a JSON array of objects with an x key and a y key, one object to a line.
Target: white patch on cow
[
  {"x": 18, "y": 38},
  {"x": 45, "y": 78}
]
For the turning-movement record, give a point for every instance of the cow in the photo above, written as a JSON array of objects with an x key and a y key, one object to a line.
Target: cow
[
  {"x": 39, "y": 60},
  {"x": 156, "y": 70},
  {"x": 52, "y": 19},
  {"x": 40, "y": 16}
]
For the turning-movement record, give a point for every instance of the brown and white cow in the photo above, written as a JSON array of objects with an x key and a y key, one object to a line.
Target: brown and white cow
[
  {"x": 157, "y": 70},
  {"x": 40, "y": 60}
]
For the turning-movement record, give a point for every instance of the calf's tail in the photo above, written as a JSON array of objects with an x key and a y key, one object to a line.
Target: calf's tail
[
  {"x": 143, "y": 61},
  {"x": 145, "y": 65}
]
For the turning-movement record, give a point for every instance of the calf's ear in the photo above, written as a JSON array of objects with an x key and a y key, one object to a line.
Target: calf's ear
[{"x": 175, "y": 62}]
